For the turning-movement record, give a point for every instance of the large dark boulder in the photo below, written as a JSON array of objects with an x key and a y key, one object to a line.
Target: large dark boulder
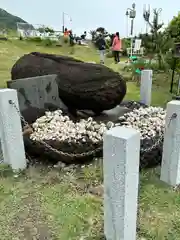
[{"x": 81, "y": 85}]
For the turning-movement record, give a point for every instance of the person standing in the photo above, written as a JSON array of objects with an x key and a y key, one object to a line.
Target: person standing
[
  {"x": 101, "y": 45},
  {"x": 71, "y": 41},
  {"x": 83, "y": 36},
  {"x": 66, "y": 35},
  {"x": 71, "y": 38},
  {"x": 116, "y": 47}
]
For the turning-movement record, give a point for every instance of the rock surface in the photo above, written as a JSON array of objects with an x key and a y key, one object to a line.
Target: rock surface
[{"x": 81, "y": 85}]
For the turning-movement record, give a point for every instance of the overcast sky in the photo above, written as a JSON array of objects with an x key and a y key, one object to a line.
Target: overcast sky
[{"x": 87, "y": 14}]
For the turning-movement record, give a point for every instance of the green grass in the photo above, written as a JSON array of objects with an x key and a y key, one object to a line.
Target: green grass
[
  {"x": 57, "y": 205},
  {"x": 160, "y": 95},
  {"x": 11, "y": 50},
  {"x": 48, "y": 203}
]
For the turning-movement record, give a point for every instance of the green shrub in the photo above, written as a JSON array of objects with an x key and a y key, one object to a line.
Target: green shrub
[
  {"x": 109, "y": 54},
  {"x": 108, "y": 43},
  {"x": 126, "y": 43},
  {"x": 35, "y": 39},
  {"x": 142, "y": 63},
  {"x": 44, "y": 42},
  {"x": 124, "y": 52},
  {"x": 47, "y": 42},
  {"x": 169, "y": 59},
  {"x": 5, "y": 170},
  {"x": 151, "y": 64}
]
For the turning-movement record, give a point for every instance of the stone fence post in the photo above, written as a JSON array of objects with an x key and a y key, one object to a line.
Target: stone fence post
[
  {"x": 121, "y": 151},
  {"x": 146, "y": 87},
  {"x": 170, "y": 167},
  {"x": 11, "y": 131}
]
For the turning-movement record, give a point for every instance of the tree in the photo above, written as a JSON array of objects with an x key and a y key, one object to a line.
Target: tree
[
  {"x": 158, "y": 42},
  {"x": 174, "y": 28},
  {"x": 49, "y": 30},
  {"x": 45, "y": 29},
  {"x": 93, "y": 34},
  {"x": 101, "y": 30},
  {"x": 40, "y": 29}
]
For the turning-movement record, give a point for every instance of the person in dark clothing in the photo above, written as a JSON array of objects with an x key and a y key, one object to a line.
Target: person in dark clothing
[
  {"x": 71, "y": 41},
  {"x": 83, "y": 36},
  {"x": 101, "y": 45},
  {"x": 71, "y": 38}
]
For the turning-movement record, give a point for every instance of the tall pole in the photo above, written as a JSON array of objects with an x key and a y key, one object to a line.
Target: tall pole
[
  {"x": 132, "y": 25},
  {"x": 132, "y": 16},
  {"x": 63, "y": 22},
  {"x": 131, "y": 13},
  {"x": 127, "y": 24}
]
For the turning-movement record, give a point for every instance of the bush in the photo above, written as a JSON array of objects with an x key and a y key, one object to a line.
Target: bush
[
  {"x": 47, "y": 42},
  {"x": 44, "y": 42},
  {"x": 141, "y": 64},
  {"x": 126, "y": 43},
  {"x": 151, "y": 64},
  {"x": 109, "y": 54},
  {"x": 35, "y": 39},
  {"x": 108, "y": 43},
  {"x": 169, "y": 59},
  {"x": 124, "y": 52}
]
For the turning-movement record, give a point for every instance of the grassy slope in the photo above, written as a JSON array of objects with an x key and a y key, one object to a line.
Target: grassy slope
[
  {"x": 56, "y": 205},
  {"x": 11, "y": 51}
]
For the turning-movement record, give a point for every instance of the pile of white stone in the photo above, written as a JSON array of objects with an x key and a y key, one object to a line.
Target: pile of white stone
[
  {"x": 149, "y": 121},
  {"x": 55, "y": 126}
]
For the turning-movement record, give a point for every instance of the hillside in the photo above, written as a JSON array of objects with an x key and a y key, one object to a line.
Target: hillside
[{"x": 8, "y": 21}]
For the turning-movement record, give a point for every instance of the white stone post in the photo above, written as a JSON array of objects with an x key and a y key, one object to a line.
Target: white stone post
[
  {"x": 11, "y": 131},
  {"x": 170, "y": 167},
  {"x": 121, "y": 151},
  {"x": 146, "y": 87}
]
